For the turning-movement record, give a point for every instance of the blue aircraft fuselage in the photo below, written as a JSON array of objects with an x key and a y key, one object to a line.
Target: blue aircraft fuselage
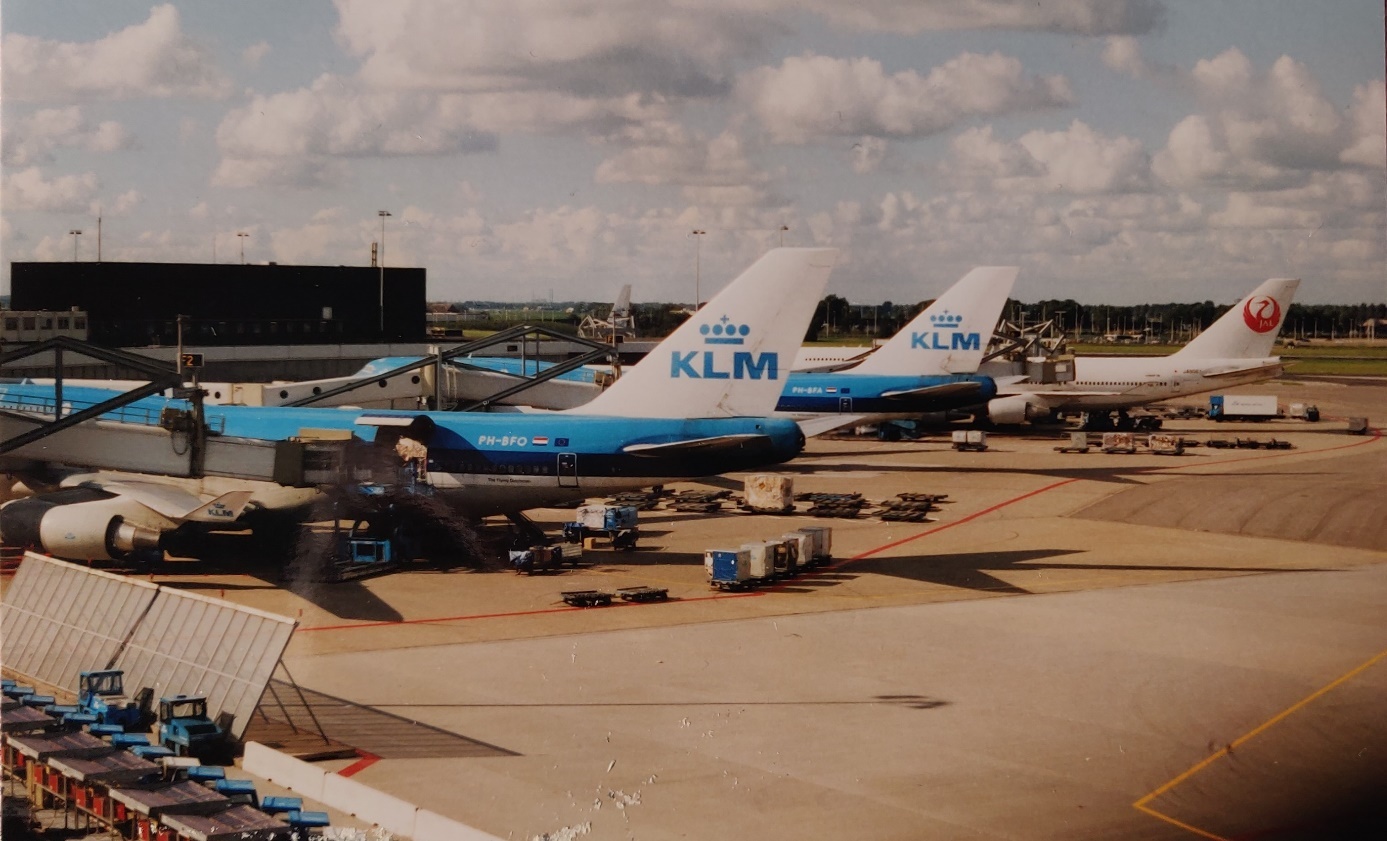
[
  {"x": 492, "y": 463},
  {"x": 882, "y": 393}
]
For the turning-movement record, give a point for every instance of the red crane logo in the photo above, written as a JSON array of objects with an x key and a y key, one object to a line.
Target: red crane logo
[{"x": 1262, "y": 313}]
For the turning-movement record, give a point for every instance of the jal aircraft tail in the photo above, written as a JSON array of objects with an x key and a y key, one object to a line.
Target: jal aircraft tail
[
  {"x": 950, "y": 336},
  {"x": 1249, "y": 329},
  {"x": 731, "y": 358}
]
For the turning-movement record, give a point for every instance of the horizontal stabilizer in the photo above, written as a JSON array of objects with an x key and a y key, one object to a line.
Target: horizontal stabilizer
[
  {"x": 1272, "y": 368},
  {"x": 959, "y": 389},
  {"x": 819, "y": 424},
  {"x": 697, "y": 445},
  {"x": 224, "y": 509}
]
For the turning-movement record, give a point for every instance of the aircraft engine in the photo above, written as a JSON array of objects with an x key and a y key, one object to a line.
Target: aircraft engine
[
  {"x": 78, "y": 524},
  {"x": 1009, "y": 410}
]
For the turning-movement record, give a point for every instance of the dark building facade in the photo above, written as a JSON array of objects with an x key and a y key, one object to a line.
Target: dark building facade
[{"x": 138, "y": 304}]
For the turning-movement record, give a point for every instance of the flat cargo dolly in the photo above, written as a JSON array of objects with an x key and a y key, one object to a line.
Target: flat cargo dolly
[
  {"x": 239, "y": 823},
  {"x": 586, "y": 598},
  {"x": 643, "y": 594},
  {"x": 119, "y": 767},
  {"x": 181, "y": 798}
]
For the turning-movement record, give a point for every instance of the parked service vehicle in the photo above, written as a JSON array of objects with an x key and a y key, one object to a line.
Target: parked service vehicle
[{"x": 1230, "y": 407}]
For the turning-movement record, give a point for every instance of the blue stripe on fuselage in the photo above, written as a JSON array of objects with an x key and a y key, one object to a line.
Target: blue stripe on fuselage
[{"x": 824, "y": 393}]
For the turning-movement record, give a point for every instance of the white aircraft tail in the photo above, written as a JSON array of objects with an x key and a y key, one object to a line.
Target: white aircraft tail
[
  {"x": 730, "y": 359},
  {"x": 622, "y": 307},
  {"x": 950, "y": 336},
  {"x": 1249, "y": 329}
]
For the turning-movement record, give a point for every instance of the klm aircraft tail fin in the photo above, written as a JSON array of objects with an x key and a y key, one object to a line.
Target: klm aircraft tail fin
[
  {"x": 1249, "y": 329},
  {"x": 730, "y": 359},
  {"x": 950, "y": 336}
]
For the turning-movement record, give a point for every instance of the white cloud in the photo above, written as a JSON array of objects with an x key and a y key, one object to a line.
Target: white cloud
[
  {"x": 297, "y": 137},
  {"x": 588, "y": 49},
  {"x": 252, "y": 56},
  {"x": 712, "y": 172},
  {"x": 811, "y": 96},
  {"x": 150, "y": 59},
  {"x": 1079, "y": 17},
  {"x": 1264, "y": 130},
  {"x": 868, "y": 153},
  {"x": 29, "y": 190},
  {"x": 32, "y": 139},
  {"x": 1077, "y": 160},
  {"x": 1369, "y": 146}
]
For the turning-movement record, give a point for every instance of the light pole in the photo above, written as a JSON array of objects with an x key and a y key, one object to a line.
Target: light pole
[
  {"x": 242, "y": 235},
  {"x": 697, "y": 234},
  {"x": 381, "y": 259},
  {"x": 783, "y": 229},
  {"x": 74, "y": 233}
]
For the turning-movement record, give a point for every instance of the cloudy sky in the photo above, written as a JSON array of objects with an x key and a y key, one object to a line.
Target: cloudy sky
[{"x": 1119, "y": 151}]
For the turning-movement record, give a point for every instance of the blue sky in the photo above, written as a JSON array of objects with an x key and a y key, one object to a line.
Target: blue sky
[{"x": 1118, "y": 151}]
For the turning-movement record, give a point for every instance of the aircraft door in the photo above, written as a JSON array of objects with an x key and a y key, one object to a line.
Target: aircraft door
[
  {"x": 568, "y": 470},
  {"x": 844, "y": 404}
]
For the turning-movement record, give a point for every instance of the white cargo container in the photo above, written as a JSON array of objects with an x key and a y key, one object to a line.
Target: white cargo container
[
  {"x": 761, "y": 557},
  {"x": 800, "y": 545},
  {"x": 823, "y": 544},
  {"x": 969, "y": 439},
  {"x": 769, "y": 492}
]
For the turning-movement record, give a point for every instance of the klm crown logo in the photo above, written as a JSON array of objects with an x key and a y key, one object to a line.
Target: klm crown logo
[
  {"x": 725, "y": 332},
  {"x": 950, "y": 324},
  {"x": 745, "y": 365}
]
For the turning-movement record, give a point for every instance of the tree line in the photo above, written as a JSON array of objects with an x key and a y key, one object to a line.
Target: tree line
[{"x": 837, "y": 318}]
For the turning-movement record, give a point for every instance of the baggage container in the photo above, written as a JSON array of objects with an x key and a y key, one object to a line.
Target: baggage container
[
  {"x": 766, "y": 558},
  {"x": 799, "y": 549},
  {"x": 769, "y": 492},
  {"x": 969, "y": 439},
  {"x": 823, "y": 545},
  {"x": 728, "y": 568}
]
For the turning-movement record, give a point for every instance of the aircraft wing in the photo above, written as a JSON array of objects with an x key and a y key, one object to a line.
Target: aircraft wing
[
  {"x": 965, "y": 388},
  {"x": 697, "y": 445}
]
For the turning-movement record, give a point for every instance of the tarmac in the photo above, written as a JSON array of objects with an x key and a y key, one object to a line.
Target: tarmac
[{"x": 1077, "y": 646}]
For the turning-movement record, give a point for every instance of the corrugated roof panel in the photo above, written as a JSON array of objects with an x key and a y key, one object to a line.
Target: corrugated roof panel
[
  {"x": 61, "y": 619},
  {"x": 195, "y": 645}
]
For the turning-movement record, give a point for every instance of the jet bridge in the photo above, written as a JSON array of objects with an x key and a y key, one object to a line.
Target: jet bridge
[
  {"x": 60, "y": 410},
  {"x": 445, "y": 396}
]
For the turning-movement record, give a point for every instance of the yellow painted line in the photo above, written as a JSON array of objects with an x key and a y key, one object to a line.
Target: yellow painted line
[
  {"x": 1172, "y": 821},
  {"x": 1247, "y": 737}
]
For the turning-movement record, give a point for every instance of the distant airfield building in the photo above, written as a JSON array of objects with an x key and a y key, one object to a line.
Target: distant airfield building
[{"x": 139, "y": 304}]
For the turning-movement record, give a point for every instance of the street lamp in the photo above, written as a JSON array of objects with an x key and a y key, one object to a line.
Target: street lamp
[
  {"x": 381, "y": 259},
  {"x": 783, "y": 229},
  {"x": 696, "y": 235},
  {"x": 242, "y": 235},
  {"x": 74, "y": 233}
]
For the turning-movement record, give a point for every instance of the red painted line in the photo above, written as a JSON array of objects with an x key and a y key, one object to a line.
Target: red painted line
[
  {"x": 540, "y": 612},
  {"x": 968, "y": 519},
  {"x": 1376, "y": 435},
  {"x": 366, "y": 761}
]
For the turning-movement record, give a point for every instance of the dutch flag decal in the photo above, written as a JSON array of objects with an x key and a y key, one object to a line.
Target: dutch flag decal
[{"x": 540, "y": 441}]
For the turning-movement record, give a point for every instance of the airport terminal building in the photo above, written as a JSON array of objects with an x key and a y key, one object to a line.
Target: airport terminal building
[{"x": 138, "y": 304}]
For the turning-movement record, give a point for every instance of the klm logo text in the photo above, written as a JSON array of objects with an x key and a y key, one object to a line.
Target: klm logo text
[
  {"x": 929, "y": 340},
  {"x": 745, "y": 366}
]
